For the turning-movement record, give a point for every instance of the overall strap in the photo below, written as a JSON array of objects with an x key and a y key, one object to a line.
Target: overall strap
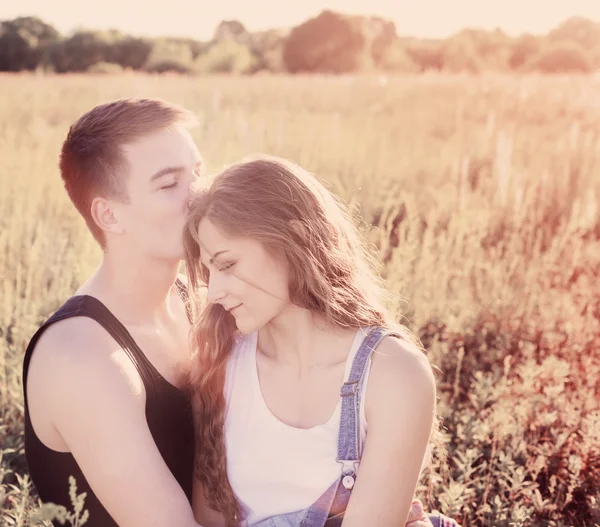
[
  {"x": 349, "y": 448},
  {"x": 349, "y": 445}
]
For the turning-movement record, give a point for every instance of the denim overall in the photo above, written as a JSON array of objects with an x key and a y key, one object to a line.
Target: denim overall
[{"x": 328, "y": 510}]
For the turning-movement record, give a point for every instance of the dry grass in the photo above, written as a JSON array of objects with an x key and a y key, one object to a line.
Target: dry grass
[{"x": 482, "y": 196}]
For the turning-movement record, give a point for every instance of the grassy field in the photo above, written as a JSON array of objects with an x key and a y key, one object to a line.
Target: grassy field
[{"x": 482, "y": 196}]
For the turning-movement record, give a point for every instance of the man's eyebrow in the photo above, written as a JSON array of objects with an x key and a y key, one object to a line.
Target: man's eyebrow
[{"x": 164, "y": 171}]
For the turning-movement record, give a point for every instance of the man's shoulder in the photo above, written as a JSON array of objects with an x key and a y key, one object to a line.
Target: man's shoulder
[
  {"x": 71, "y": 335},
  {"x": 77, "y": 350},
  {"x": 74, "y": 365}
]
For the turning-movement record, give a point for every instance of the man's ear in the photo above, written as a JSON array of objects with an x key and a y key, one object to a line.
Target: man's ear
[{"x": 104, "y": 216}]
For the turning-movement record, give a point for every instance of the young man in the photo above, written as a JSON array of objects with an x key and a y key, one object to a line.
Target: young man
[{"x": 100, "y": 376}]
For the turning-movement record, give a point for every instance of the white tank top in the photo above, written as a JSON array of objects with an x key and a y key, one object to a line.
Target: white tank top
[{"x": 275, "y": 468}]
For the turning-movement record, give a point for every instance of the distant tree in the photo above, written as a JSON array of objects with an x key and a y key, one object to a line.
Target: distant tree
[
  {"x": 426, "y": 54},
  {"x": 85, "y": 48},
  {"x": 460, "y": 55},
  {"x": 169, "y": 65},
  {"x": 475, "y": 50},
  {"x": 105, "y": 68},
  {"x": 226, "y": 56},
  {"x": 81, "y": 50},
  {"x": 24, "y": 42},
  {"x": 562, "y": 57},
  {"x": 329, "y": 43},
  {"x": 396, "y": 58},
  {"x": 493, "y": 48},
  {"x": 523, "y": 50},
  {"x": 267, "y": 48},
  {"x": 231, "y": 30},
  {"x": 582, "y": 31},
  {"x": 169, "y": 55},
  {"x": 195, "y": 47},
  {"x": 131, "y": 52},
  {"x": 381, "y": 36}
]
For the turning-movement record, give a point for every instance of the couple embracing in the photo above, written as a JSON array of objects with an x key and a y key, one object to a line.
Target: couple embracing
[{"x": 268, "y": 386}]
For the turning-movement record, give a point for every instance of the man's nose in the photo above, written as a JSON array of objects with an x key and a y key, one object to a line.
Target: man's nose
[
  {"x": 193, "y": 191},
  {"x": 199, "y": 182}
]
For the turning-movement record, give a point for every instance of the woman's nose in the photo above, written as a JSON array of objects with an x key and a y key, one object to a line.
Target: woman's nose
[{"x": 216, "y": 291}]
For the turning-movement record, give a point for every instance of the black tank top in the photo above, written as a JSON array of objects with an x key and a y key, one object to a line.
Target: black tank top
[{"x": 168, "y": 413}]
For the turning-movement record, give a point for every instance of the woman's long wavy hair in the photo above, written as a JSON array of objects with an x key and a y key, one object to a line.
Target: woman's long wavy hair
[{"x": 331, "y": 274}]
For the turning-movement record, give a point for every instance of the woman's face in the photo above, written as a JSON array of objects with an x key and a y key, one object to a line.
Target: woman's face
[{"x": 246, "y": 279}]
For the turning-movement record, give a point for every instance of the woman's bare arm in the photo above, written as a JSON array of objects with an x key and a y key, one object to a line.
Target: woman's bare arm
[{"x": 400, "y": 409}]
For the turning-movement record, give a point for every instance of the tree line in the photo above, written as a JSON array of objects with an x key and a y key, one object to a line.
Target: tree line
[{"x": 328, "y": 43}]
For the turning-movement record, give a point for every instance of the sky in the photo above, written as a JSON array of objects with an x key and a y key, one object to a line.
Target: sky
[{"x": 199, "y": 18}]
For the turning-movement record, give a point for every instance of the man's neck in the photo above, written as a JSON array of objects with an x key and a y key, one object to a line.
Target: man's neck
[{"x": 137, "y": 292}]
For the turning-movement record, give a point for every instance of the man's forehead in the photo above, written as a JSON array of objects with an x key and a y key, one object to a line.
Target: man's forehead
[
  {"x": 165, "y": 140},
  {"x": 162, "y": 149}
]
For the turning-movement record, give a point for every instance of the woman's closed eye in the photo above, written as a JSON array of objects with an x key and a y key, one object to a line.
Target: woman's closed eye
[
  {"x": 221, "y": 267},
  {"x": 226, "y": 267}
]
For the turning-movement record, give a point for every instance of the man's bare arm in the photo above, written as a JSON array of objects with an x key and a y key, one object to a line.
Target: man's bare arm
[{"x": 97, "y": 404}]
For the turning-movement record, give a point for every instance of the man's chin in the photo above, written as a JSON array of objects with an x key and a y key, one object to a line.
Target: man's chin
[
  {"x": 180, "y": 256},
  {"x": 176, "y": 257},
  {"x": 178, "y": 253}
]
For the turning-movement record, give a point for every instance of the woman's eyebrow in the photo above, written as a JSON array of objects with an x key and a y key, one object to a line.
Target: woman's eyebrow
[{"x": 215, "y": 255}]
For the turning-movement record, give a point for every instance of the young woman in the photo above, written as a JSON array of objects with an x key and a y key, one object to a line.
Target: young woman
[{"x": 300, "y": 373}]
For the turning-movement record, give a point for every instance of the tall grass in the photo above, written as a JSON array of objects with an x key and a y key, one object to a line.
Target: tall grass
[{"x": 481, "y": 196}]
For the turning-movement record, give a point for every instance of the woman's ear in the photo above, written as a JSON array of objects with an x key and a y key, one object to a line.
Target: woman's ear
[{"x": 300, "y": 229}]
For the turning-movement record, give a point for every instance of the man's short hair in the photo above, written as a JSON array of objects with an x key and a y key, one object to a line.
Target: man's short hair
[{"x": 92, "y": 162}]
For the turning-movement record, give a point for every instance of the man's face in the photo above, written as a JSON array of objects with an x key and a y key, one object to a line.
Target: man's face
[{"x": 162, "y": 167}]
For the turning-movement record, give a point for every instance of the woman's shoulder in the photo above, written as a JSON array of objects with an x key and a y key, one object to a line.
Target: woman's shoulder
[
  {"x": 402, "y": 357},
  {"x": 401, "y": 372}
]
